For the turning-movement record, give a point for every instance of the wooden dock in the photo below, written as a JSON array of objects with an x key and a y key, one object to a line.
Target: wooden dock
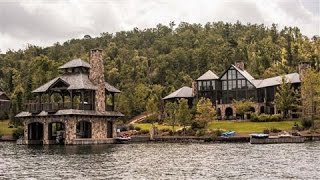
[{"x": 277, "y": 140}]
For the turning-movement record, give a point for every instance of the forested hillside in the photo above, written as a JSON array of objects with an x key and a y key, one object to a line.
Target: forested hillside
[{"x": 156, "y": 61}]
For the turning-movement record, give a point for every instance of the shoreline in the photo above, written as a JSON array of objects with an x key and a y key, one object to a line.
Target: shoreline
[{"x": 193, "y": 139}]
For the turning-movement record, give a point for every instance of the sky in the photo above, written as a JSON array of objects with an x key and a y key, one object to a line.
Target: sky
[{"x": 44, "y": 22}]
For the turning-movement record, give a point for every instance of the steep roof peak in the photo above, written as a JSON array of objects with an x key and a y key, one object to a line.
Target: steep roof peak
[
  {"x": 75, "y": 63},
  {"x": 209, "y": 75}
]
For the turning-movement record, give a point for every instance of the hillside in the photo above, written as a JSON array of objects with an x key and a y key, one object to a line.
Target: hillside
[{"x": 156, "y": 61}]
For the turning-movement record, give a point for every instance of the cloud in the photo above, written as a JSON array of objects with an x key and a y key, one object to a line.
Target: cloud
[{"x": 43, "y": 22}]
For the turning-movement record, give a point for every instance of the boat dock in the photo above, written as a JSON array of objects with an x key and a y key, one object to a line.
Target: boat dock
[{"x": 277, "y": 140}]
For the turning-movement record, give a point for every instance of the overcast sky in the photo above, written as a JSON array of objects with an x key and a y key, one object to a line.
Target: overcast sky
[{"x": 44, "y": 22}]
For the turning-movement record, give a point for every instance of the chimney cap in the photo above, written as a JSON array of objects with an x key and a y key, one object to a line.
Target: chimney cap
[{"x": 96, "y": 49}]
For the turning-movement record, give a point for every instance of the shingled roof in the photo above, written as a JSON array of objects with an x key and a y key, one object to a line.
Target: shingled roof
[
  {"x": 111, "y": 88},
  {"x": 184, "y": 92},
  {"x": 75, "y": 63},
  {"x": 274, "y": 81},
  {"x": 74, "y": 81},
  {"x": 209, "y": 75},
  {"x": 3, "y": 96},
  {"x": 71, "y": 112}
]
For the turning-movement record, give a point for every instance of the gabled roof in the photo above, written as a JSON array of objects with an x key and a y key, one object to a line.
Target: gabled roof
[
  {"x": 75, "y": 63},
  {"x": 245, "y": 74},
  {"x": 75, "y": 81},
  {"x": 184, "y": 92},
  {"x": 111, "y": 88},
  {"x": 63, "y": 112},
  {"x": 209, "y": 75},
  {"x": 274, "y": 81},
  {"x": 3, "y": 96}
]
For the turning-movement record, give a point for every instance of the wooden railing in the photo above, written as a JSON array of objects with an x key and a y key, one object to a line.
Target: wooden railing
[{"x": 52, "y": 107}]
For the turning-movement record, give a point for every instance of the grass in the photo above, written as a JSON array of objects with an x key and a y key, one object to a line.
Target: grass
[
  {"x": 238, "y": 126},
  {"x": 250, "y": 127},
  {"x": 148, "y": 126},
  {"x": 4, "y": 127}
]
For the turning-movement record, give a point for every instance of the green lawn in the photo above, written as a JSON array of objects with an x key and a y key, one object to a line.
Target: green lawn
[
  {"x": 4, "y": 127},
  {"x": 238, "y": 126},
  {"x": 148, "y": 126},
  {"x": 249, "y": 127}
]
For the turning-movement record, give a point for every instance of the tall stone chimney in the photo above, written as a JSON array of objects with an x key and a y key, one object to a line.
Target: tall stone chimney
[
  {"x": 194, "y": 89},
  {"x": 303, "y": 66},
  {"x": 97, "y": 78},
  {"x": 240, "y": 65}
]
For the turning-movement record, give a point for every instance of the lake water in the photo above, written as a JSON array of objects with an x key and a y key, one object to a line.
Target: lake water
[{"x": 161, "y": 161}]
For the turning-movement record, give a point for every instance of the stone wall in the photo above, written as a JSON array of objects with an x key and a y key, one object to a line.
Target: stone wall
[
  {"x": 98, "y": 128},
  {"x": 97, "y": 77},
  {"x": 223, "y": 108}
]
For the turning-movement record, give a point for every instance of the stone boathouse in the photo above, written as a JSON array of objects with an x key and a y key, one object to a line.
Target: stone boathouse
[{"x": 78, "y": 107}]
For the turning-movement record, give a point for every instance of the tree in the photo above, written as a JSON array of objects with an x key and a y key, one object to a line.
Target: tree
[
  {"x": 152, "y": 109},
  {"x": 242, "y": 106},
  {"x": 184, "y": 115},
  {"x": 285, "y": 97},
  {"x": 205, "y": 112},
  {"x": 310, "y": 94},
  {"x": 171, "y": 110}
]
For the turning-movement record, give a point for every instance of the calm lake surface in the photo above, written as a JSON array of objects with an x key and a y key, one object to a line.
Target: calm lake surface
[{"x": 161, "y": 161}]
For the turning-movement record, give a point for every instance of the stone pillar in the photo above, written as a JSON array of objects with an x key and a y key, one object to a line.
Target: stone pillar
[
  {"x": 70, "y": 130},
  {"x": 45, "y": 132},
  {"x": 195, "y": 89},
  {"x": 25, "y": 131},
  {"x": 97, "y": 77}
]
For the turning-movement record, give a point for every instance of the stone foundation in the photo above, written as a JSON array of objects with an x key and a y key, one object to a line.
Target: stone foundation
[
  {"x": 223, "y": 108},
  {"x": 99, "y": 128}
]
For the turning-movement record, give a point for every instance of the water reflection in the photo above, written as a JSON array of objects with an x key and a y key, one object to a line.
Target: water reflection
[{"x": 161, "y": 161}]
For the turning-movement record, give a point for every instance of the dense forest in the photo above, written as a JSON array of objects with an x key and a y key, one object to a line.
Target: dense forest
[{"x": 157, "y": 61}]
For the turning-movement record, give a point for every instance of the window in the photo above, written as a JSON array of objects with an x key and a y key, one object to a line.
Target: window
[
  {"x": 243, "y": 84},
  {"x": 250, "y": 86},
  {"x": 234, "y": 84},
  {"x": 213, "y": 85},
  {"x": 224, "y": 77},
  {"x": 229, "y": 85},
  {"x": 199, "y": 85},
  {"x": 240, "y": 76},
  {"x": 233, "y": 74},
  {"x": 239, "y": 84},
  {"x": 224, "y": 85}
]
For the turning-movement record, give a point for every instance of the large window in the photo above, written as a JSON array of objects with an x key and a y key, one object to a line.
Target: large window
[
  {"x": 235, "y": 86},
  {"x": 208, "y": 85}
]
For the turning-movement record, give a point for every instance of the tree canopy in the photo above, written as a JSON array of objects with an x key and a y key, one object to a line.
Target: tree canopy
[{"x": 162, "y": 59}]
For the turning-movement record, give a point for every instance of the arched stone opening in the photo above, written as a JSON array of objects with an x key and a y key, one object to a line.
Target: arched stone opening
[
  {"x": 219, "y": 114},
  {"x": 35, "y": 131},
  {"x": 56, "y": 132},
  {"x": 251, "y": 110},
  {"x": 228, "y": 113},
  {"x": 262, "y": 110},
  {"x": 84, "y": 129}
]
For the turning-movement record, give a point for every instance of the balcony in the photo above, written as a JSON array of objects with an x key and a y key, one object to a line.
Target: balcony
[{"x": 53, "y": 107}]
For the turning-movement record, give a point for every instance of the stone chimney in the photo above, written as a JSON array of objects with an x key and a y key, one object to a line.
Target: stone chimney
[
  {"x": 303, "y": 66},
  {"x": 194, "y": 89},
  {"x": 240, "y": 65},
  {"x": 97, "y": 78}
]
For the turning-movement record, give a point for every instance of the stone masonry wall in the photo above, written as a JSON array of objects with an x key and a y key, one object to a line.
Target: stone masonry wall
[
  {"x": 97, "y": 77},
  {"x": 98, "y": 127}
]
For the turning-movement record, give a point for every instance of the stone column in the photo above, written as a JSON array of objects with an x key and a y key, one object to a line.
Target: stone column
[
  {"x": 45, "y": 132},
  {"x": 25, "y": 131},
  {"x": 97, "y": 77}
]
